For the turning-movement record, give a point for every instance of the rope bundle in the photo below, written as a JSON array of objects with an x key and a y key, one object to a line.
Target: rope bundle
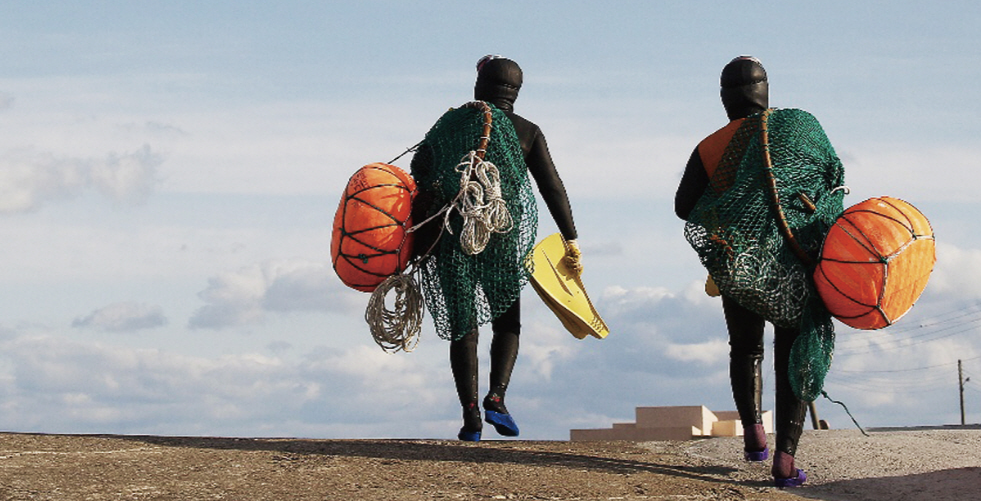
[
  {"x": 480, "y": 203},
  {"x": 396, "y": 329}
]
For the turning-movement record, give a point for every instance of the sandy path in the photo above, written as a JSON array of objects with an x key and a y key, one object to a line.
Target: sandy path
[
  {"x": 934, "y": 465},
  {"x": 894, "y": 465}
]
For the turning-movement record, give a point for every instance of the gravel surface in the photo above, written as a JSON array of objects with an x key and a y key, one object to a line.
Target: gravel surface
[
  {"x": 935, "y": 465},
  {"x": 888, "y": 465}
]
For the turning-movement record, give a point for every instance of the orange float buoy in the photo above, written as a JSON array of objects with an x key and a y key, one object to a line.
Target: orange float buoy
[
  {"x": 875, "y": 262},
  {"x": 370, "y": 241}
]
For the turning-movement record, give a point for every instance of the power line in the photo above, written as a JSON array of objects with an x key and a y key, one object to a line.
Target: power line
[
  {"x": 935, "y": 380},
  {"x": 893, "y": 334},
  {"x": 938, "y": 319},
  {"x": 889, "y": 387},
  {"x": 949, "y": 316},
  {"x": 907, "y": 370},
  {"x": 900, "y": 344}
]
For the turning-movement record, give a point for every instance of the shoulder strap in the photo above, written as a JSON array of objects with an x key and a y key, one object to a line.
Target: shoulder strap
[{"x": 771, "y": 182}]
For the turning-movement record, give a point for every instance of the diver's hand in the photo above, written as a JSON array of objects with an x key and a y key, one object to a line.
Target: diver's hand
[
  {"x": 710, "y": 288},
  {"x": 573, "y": 256}
]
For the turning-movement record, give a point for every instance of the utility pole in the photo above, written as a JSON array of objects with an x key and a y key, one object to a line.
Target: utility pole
[
  {"x": 814, "y": 415},
  {"x": 961, "y": 381}
]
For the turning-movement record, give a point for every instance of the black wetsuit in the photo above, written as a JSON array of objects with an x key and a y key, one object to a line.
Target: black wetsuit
[
  {"x": 498, "y": 83},
  {"x": 746, "y": 327}
]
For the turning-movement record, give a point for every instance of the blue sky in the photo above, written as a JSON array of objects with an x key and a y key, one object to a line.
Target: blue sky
[{"x": 169, "y": 173}]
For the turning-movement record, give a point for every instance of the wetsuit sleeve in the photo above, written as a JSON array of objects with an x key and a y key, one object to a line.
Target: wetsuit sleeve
[
  {"x": 550, "y": 186},
  {"x": 422, "y": 203},
  {"x": 693, "y": 184}
]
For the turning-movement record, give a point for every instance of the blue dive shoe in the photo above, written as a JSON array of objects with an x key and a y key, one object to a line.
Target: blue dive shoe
[
  {"x": 468, "y": 436},
  {"x": 792, "y": 481},
  {"x": 757, "y": 456},
  {"x": 502, "y": 422}
]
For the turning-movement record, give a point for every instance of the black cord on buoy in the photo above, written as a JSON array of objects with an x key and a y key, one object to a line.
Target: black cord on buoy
[
  {"x": 392, "y": 161},
  {"x": 846, "y": 412}
]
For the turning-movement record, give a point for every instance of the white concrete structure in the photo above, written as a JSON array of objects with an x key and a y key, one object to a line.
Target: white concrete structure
[{"x": 672, "y": 423}]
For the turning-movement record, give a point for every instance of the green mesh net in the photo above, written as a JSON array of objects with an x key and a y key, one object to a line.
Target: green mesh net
[
  {"x": 464, "y": 291},
  {"x": 736, "y": 230}
]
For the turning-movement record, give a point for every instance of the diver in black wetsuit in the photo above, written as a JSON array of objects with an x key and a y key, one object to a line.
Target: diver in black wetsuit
[
  {"x": 498, "y": 82},
  {"x": 745, "y": 92}
]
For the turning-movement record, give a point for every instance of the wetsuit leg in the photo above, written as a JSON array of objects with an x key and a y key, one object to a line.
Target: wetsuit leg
[
  {"x": 504, "y": 353},
  {"x": 790, "y": 410},
  {"x": 745, "y": 360},
  {"x": 746, "y": 375},
  {"x": 463, "y": 362}
]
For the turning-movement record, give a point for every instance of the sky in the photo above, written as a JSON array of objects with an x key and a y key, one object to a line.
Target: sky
[{"x": 169, "y": 173}]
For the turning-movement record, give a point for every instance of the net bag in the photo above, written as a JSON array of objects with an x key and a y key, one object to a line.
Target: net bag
[
  {"x": 476, "y": 269},
  {"x": 370, "y": 240},
  {"x": 875, "y": 262},
  {"x": 759, "y": 226}
]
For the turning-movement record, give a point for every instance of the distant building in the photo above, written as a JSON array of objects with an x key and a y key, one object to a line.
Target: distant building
[{"x": 672, "y": 423}]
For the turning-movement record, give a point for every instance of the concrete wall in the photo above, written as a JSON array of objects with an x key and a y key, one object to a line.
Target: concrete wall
[
  {"x": 672, "y": 423},
  {"x": 697, "y": 416}
]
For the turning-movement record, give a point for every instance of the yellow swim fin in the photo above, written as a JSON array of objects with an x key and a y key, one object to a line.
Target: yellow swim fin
[{"x": 562, "y": 290}]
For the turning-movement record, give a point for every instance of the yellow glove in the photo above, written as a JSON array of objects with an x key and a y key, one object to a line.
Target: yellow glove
[
  {"x": 572, "y": 257},
  {"x": 710, "y": 288}
]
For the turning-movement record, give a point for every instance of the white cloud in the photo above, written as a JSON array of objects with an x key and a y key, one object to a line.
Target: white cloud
[
  {"x": 51, "y": 383},
  {"x": 957, "y": 272},
  {"x": 123, "y": 317},
  {"x": 909, "y": 171},
  {"x": 604, "y": 163},
  {"x": 244, "y": 296},
  {"x": 6, "y": 101},
  {"x": 154, "y": 129},
  {"x": 707, "y": 353},
  {"x": 308, "y": 147},
  {"x": 636, "y": 297},
  {"x": 548, "y": 347},
  {"x": 664, "y": 349},
  {"x": 30, "y": 178},
  {"x": 127, "y": 178},
  {"x": 234, "y": 298}
]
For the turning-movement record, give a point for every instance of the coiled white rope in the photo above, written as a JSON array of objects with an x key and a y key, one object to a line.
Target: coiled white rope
[
  {"x": 396, "y": 329},
  {"x": 480, "y": 203}
]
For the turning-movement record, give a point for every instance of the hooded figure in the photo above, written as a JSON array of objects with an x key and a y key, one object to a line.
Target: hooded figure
[
  {"x": 744, "y": 92},
  {"x": 498, "y": 82},
  {"x": 452, "y": 281}
]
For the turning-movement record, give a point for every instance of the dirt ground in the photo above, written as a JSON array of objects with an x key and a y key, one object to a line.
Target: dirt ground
[
  {"x": 113, "y": 467},
  {"x": 73, "y": 467}
]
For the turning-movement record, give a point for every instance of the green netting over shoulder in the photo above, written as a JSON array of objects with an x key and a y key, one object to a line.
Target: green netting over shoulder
[
  {"x": 735, "y": 229},
  {"x": 464, "y": 291}
]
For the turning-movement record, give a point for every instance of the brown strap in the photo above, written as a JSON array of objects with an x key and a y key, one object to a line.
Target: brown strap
[
  {"x": 485, "y": 134},
  {"x": 775, "y": 197}
]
